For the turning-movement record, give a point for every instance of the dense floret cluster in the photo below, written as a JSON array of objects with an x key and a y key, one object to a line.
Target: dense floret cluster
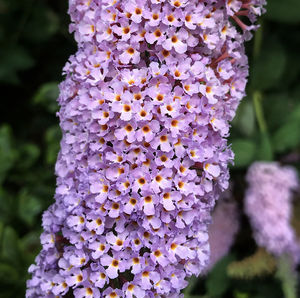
[
  {"x": 145, "y": 111},
  {"x": 268, "y": 203}
]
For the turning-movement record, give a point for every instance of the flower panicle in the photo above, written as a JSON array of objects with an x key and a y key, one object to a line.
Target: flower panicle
[
  {"x": 144, "y": 110},
  {"x": 268, "y": 203}
]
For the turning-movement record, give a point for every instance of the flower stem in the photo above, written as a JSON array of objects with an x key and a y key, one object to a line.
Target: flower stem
[
  {"x": 257, "y": 96},
  {"x": 257, "y": 101},
  {"x": 258, "y": 38}
]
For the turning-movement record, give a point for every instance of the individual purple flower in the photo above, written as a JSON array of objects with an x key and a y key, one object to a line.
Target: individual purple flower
[
  {"x": 128, "y": 54},
  {"x": 144, "y": 110},
  {"x": 135, "y": 10},
  {"x": 176, "y": 41},
  {"x": 268, "y": 203}
]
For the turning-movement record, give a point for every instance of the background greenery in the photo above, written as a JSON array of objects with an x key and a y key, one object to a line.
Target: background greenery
[{"x": 34, "y": 46}]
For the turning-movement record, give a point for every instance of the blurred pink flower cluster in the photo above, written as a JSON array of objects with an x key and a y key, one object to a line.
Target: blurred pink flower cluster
[{"x": 268, "y": 203}]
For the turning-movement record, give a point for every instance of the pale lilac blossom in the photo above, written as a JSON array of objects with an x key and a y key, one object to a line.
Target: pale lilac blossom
[
  {"x": 223, "y": 229},
  {"x": 268, "y": 203},
  {"x": 144, "y": 110}
]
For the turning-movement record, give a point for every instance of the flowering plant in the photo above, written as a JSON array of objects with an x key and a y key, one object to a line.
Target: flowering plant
[{"x": 145, "y": 111}]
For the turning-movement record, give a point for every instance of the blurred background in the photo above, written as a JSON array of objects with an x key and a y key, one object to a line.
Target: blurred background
[{"x": 35, "y": 45}]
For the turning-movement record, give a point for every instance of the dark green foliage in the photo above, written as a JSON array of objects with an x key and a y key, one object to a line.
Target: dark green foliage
[
  {"x": 218, "y": 281},
  {"x": 286, "y": 11},
  {"x": 7, "y": 152},
  {"x": 34, "y": 46},
  {"x": 269, "y": 66},
  {"x": 46, "y": 96},
  {"x": 244, "y": 151}
]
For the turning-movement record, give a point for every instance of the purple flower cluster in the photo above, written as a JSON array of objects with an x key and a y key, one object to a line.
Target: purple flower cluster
[
  {"x": 268, "y": 205},
  {"x": 223, "y": 229},
  {"x": 144, "y": 112}
]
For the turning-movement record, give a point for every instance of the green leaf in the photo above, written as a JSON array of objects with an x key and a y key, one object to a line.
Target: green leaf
[
  {"x": 28, "y": 155},
  {"x": 8, "y": 273},
  {"x": 29, "y": 207},
  {"x": 283, "y": 11},
  {"x": 30, "y": 246},
  {"x": 244, "y": 120},
  {"x": 1, "y": 231},
  {"x": 10, "y": 246},
  {"x": 244, "y": 151},
  {"x": 192, "y": 283},
  {"x": 31, "y": 241},
  {"x": 43, "y": 23},
  {"x": 13, "y": 58},
  {"x": 217, "y": 281},
  {"x": 295, "y": 114},
  {"x": 277, "y": 106},
  {"x": 287, "y": 276},
  {"x": 264, "y": 149},
  {"x": 7, "y": 152},
  {"x": 287, "y": 137},
  {"x": 47, "y": 95},
  {"x": 238, "y": 294},
  {"x": 292, "y": 69},
  {"x": 52, "y": 138},
  {"x": 268, "y": 66},
  {"x": 7, "y": 206}
]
